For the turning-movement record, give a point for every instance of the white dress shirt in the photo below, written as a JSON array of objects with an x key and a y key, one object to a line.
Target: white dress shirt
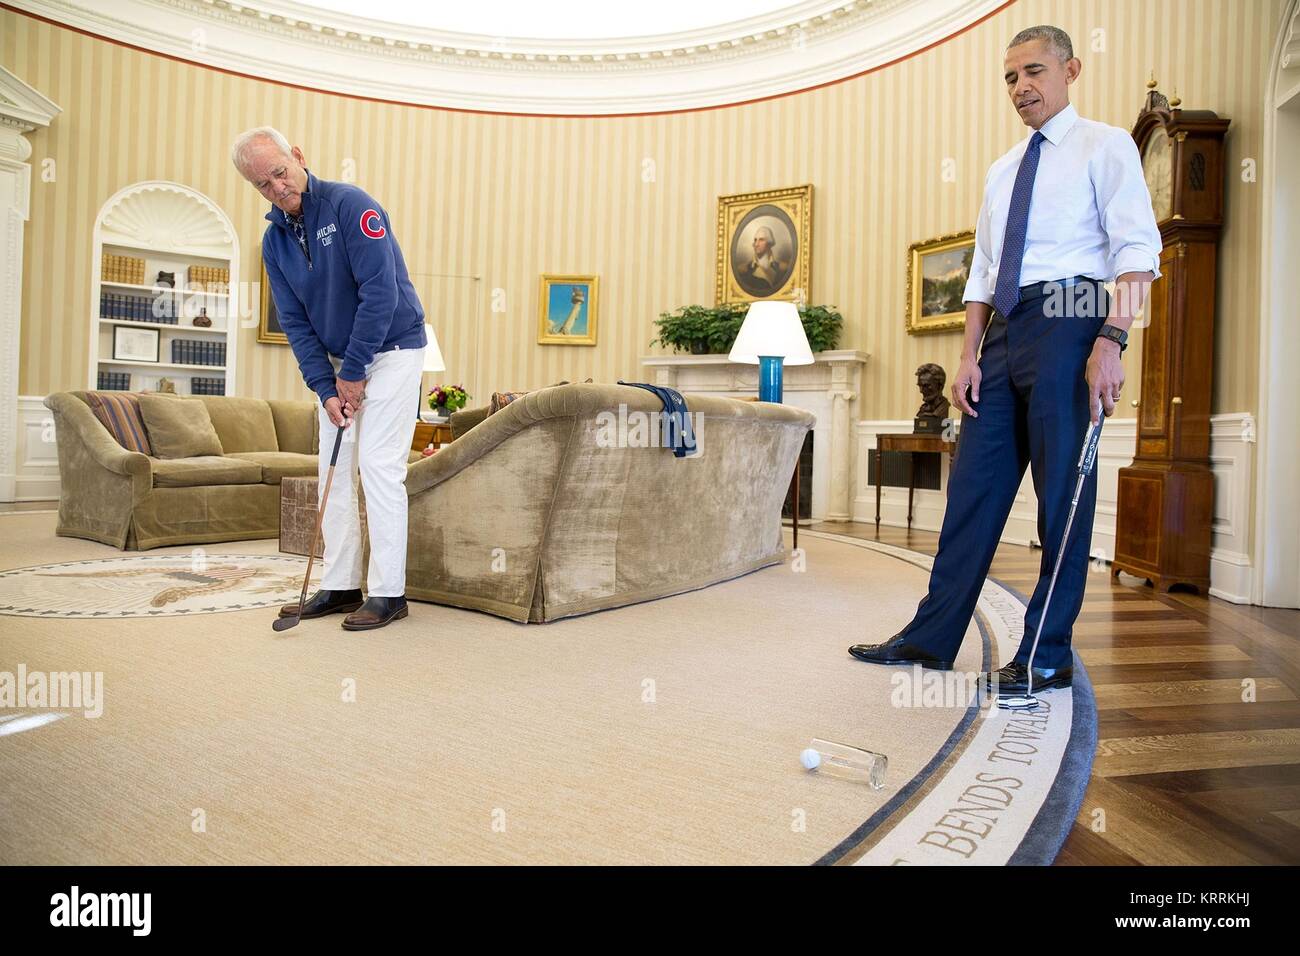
[{"x": 1090, "y": 214}]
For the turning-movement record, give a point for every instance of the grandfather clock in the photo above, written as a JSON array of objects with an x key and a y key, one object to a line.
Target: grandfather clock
[{"x": 1166, "y": 497}]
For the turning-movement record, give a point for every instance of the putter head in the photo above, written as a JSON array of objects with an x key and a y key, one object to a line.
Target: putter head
[
  {"x": 284, "y": 623},
  {"x": 1017, "y": 701}
]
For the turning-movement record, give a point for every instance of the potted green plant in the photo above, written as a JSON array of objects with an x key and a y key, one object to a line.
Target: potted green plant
[
  {"x": 705, "y": 330},
  {"x": 822, "y": 324}
]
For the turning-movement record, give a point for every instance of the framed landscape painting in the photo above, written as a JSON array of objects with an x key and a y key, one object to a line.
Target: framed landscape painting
[
  {"x": 268, "y": 325},
  {"x": 937, "y": 270}
]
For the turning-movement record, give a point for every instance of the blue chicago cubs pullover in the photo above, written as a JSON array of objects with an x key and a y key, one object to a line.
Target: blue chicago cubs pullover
[{"x": 349, "y": 295}]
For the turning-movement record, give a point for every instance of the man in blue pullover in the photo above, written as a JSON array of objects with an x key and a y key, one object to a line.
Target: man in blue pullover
[{"x": 356, "y": 327}]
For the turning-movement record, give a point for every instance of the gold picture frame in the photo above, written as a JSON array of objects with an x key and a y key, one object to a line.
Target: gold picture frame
[
  {"x": 780, "y": 220},
  {"x": 568, "y": 309},
  {"x": 269, "y": 331},
  {"x": 934, "y": 301}
]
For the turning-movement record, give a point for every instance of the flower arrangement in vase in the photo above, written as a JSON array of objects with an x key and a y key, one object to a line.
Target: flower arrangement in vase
[{"x": 445, "y": 399}]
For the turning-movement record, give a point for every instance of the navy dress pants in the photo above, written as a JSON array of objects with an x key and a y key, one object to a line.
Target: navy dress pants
[{"x": 1033, "y": 410}]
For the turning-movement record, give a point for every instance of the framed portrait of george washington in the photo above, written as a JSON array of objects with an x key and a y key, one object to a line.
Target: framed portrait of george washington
[
  {"x": 937, "y": 270},
  {"x": 764, "y": 246}
]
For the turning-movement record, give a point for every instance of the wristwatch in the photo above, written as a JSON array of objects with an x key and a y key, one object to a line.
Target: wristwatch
[{"x": 1115, "y": 334}]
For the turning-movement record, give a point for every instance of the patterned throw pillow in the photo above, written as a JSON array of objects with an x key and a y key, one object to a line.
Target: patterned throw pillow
[
  {"x": 119, "y": 412},
  {"x": 501, "y": 399}
]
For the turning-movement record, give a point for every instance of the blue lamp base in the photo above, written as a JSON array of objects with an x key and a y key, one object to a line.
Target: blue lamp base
[{"x": 769, "y": 378}]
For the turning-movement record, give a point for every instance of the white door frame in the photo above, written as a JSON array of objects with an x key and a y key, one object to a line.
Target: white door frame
[
  {"x": 1277, "y": 493},
  {"x": 22, "y": 110}
]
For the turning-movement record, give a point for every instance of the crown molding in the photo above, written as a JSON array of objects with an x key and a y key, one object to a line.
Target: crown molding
[{"x": 801, "y": 46}]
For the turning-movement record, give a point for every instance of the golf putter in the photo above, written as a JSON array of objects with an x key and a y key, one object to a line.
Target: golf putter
[
  {"x": 284, "y": 623},
  {"x": 1087, "y": 461}
]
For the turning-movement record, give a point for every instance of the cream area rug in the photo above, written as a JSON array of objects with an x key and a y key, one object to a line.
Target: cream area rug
[{"x": 665, "y": 732}]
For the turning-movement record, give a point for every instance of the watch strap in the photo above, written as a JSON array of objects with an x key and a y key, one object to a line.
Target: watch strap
[{"x": 1116, "y": 335}]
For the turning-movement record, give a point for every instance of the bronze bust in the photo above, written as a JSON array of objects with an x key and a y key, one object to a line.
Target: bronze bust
[{"x": 930, "y": 379}]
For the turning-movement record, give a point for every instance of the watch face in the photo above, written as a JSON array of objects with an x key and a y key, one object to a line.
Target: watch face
[{"x": 1157, "y": 167}]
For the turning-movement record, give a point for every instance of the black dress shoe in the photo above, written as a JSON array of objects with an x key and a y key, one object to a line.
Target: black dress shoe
[
  {"x": 376, "y": 612},
  {"x": 324, "y": 602},
  {"x": 898, "y": 651},
  {"x": 1014, "y": 678}
]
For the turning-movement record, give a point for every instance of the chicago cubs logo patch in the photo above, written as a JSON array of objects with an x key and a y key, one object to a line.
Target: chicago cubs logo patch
[{"x": 372, "y": 224}]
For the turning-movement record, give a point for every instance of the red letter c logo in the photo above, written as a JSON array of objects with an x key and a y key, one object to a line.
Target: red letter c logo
[{"x": 372, "y": 224}]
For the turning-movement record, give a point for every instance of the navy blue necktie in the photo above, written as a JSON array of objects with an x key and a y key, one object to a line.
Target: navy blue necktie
[{"x": 1006, "y": 296}]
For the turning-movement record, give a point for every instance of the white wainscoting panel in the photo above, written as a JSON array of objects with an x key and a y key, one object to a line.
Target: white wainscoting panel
[
  {"x": 1232, "y": 439},
  {"x": 37, "y": 472}
]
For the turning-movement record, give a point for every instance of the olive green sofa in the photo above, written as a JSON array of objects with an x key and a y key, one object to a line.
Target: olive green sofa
[
  {"x": 135, "y": 502},
  {"x": 530, "y": 514}
]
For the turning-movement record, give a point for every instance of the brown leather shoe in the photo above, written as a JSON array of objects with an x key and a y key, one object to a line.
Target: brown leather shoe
[
  {"x": 376, "y": 612},
  {"x": 324, "y": 602}
]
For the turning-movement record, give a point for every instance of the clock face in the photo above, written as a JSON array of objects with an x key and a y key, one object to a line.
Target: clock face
[{"x": 1158, "y": 168}]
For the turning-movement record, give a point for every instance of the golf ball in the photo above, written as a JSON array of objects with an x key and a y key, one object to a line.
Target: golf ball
[{"x": 811, "y": 759}]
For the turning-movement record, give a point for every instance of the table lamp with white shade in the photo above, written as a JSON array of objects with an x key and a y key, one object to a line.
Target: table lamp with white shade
[
  {"x": 433, "y": 362},
  {"x": 771, "y": 336}
]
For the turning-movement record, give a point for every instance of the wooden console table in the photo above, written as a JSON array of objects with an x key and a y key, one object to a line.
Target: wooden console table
[{"x": 910, "y": 444}]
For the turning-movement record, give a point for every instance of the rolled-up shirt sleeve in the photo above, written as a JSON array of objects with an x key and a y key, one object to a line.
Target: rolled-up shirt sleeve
[
  {"x": 1124, "y": 204},
  {"x": 977, "y": 285}
]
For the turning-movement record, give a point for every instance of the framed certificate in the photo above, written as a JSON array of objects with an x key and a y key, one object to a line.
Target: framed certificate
[{"x": 135, "y": 345}]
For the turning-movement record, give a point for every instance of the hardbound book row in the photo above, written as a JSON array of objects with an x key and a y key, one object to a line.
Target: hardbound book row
[
  {"x": 137, "y": 309},
  {"x": 195, "y": 352}
]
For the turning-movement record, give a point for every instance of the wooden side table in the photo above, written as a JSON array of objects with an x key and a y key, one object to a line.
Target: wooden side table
[
  {"x": 298, "y": 502},
  {"x": 430, "y": 433},
  {"x": 910, "y": 444}
]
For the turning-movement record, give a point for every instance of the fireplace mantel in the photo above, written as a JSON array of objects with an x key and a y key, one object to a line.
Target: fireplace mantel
[{"x": 828, "y": 388}]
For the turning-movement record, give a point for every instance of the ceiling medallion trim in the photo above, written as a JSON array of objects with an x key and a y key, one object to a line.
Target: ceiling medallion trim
[
  {"x": 821, "y": 42},
  {"x": 810, "y": 17}
]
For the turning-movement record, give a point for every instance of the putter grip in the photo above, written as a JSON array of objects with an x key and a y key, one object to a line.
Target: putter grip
[
  {"x": 338, "y": 440},
  {"x": 1088, "y": 456}
]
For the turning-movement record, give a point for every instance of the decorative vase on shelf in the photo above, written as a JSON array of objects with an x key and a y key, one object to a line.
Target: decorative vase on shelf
[
  {"x": 167, "y": 279},
  {"x": 201, "y": 321}
]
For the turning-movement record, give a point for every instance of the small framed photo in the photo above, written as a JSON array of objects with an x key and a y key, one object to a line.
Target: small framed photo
[
  {"x": 135, "y": 345},
  {"x": 269, "y": 330},
  {"x": 568, "y": 310},
  {"x": 937, "y": 270},
  {"x": 764, "y": 246}
]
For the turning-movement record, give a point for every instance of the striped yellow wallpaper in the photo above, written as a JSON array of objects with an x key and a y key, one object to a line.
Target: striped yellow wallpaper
[{"x": 483, "y": 204}]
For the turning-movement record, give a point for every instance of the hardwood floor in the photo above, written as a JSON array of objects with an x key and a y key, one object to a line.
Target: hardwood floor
[{"x": 1187, "y": 770}]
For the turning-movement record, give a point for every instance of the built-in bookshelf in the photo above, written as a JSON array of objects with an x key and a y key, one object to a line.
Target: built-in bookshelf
[{"x": 142, "y": 327}]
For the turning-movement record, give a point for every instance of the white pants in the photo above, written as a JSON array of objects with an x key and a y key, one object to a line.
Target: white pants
[{"x": 381, "y": 433}]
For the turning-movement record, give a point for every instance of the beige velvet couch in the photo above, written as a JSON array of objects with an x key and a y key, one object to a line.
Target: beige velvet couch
[
  {"x": 134, "y": 502},
  {"x": 528, "y": 517}
]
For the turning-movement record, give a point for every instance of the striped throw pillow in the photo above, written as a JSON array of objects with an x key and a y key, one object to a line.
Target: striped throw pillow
[{"x": 119, "y": 412}]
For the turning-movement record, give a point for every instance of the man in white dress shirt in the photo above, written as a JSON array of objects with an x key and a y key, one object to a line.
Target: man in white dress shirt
[{"x": 1064, "y": 211}]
